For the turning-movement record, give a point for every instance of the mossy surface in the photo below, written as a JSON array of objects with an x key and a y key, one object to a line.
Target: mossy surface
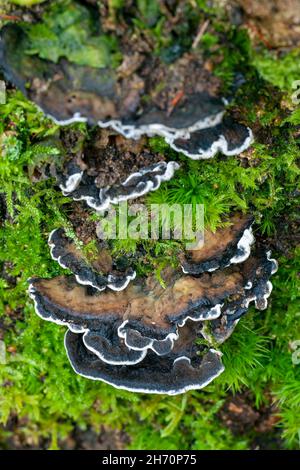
[{"x": 42, "y": 401}]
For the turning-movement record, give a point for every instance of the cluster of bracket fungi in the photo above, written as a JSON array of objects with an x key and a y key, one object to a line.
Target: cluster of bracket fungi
[
  {"x": 197, "y": 126},
  {"x": 131, "y": 332},
  {"x": 135, "y": 334}
]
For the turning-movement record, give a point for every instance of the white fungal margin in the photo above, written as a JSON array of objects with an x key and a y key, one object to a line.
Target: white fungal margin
[
  {"x": 77, "y": 329},
  {"x": 122, "y": 333},
  {"x": 71, "y": 183},
  {"x": 112, "y": 362},
  {"x": 264, "y": 304},
  {"x": 212, "y": 314},
  {"x": 105, "y": 200},
  {"x": 127, "y": 280},
  {"x": 131, "y": 131},
  {"x": 273, "y": 261},
  {"x": 66, "y": 122},
  {"x": 244, "y": 246},
  {"x": 73, "y": 327},
  {"x": 261, "y": 303}
]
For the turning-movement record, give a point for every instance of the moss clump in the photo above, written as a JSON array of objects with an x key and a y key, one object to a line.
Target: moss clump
[
  {"x": 69, "y": 30},
  {"x": 26, "y": 3},
  {"x": 281, "y": 71}
]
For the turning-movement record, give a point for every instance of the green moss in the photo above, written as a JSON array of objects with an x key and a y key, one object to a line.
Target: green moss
[
  {"x": 280, "y": 71},
  {"x": 26, "y": 3},
  {"x": 223, "y": 185},
  {"x": 40, "y": 384},
  {"x": 69, "y": 30},
  {"x": 294, "y": 118}
]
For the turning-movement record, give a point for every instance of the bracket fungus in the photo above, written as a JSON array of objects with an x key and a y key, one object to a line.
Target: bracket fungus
[
  {"x": 188, "y": 112},
  {"x": 110, "y": 169},
  {"x": 229, "y": 245},
  {"x": 144, "y": 338},
  {"x": 64, "y": 251},
  {"x": 162, "y": 375},
  {"x": 81, "y": 186},
  {"x": 228, "y": 137}
]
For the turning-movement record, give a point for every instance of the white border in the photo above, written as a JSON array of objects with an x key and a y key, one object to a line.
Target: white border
[
  {"x": 211, "y": 314},
  {"x": 244, "y": 244}
]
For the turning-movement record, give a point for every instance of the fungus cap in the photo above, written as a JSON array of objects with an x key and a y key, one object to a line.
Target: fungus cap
[
  {"x": 194, "y": 126},
  {"x": 64, "y": 251},
  {"x": 145, "y": 315},
  {"x": 152, "y": 375},
  {"x": 82, "y": 187},
  {"x": 228, "y": 245}
]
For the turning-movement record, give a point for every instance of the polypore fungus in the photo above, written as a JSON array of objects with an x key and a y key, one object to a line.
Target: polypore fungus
[
  {"x": 112, "y": 169},
  {"x": 64, "y": 251},
  {"x": 148, "y": 308},
  {"x": 228, "y": 137},
  {"x": 152, "y": 331},
  {"x": 170, "y": 375},
  {"x": 82, "y": 187},
  {"x": 188, "y": 112},
  {"x": 229, "y": 245}
]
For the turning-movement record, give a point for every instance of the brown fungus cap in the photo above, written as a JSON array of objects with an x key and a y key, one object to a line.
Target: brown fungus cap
[
  {"x": 144, "y": 338},
  {"x": 71, "y": 93},
  {"x": 146, "y": 307},
  {"x": 228, "y": 245}
]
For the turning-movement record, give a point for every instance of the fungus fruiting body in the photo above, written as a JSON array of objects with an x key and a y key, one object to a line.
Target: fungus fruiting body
[
  {"x": 227, "y": 137},
  {"x": 112, "y": 169},
  {"x": 82, "y": 187},
  {"x": 230, "y": 245},
  {"x": 69, "y": 93},
  {"x": 135, "y": 333},
  {"x": 144, "y": 337},
  {"x": 199, "y": 139},
  {"x": 64, "y": 251},
  {"x": 149, "y": 309},
  {"x": 161, "y": 375}
]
